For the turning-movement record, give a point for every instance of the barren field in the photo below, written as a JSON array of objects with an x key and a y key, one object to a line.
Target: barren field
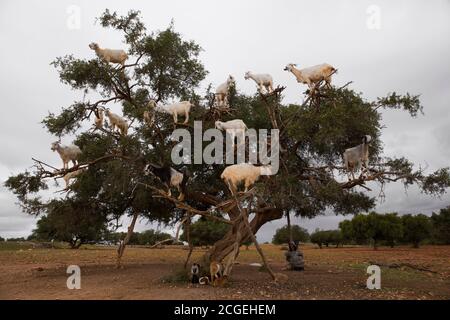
[{"x": 330, "y": 273}]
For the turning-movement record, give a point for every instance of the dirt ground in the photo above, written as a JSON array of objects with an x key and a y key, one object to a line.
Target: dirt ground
[{"x": 330, "y": 273}]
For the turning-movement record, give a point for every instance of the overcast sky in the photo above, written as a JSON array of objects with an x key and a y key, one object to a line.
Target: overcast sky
[{"x": 406, "y": 49}]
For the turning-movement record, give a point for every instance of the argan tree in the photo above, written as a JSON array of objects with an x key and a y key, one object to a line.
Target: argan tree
[
  {"x": 165, "y": 67},
  {"x": 282, "y": 236}
]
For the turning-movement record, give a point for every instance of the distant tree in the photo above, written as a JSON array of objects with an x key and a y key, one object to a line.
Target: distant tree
[
  {"x": 360, "y": 229},
  {"x": 1, "y": 239},
  {"x": 205, "y": 232},
  {"x": 441, "y": 226},
  {"x": 317, "y": 237},
  {"x": 247, "y": 244},
  {"x": 71, "y": 222},
  {"x": 326, "y": 237},
  {"x": 151, "y": 237},
  {"x": 334, "y": 237},
  {"x": 298, "y": 234},
  {"x": 374, "y": 227},
  {"x": 392, "y": 228},
  {"x": 416, "y": 228},
  {"x": 346, "y": 228},
  {"x": 20, "y": 239}
]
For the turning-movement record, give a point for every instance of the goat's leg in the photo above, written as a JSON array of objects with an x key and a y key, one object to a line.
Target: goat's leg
[
  {"x": 230, "y": 186},
  {"x": 260, "y": 88},
  {"x": 247, "y": 184},
  {"x": 311, "y": 87},
  {"x": 186, "y": 114},
  {"x": 175, "y": 118}
]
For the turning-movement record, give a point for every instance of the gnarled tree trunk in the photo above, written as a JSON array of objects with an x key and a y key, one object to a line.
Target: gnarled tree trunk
[{"x": 225, "y": 246}]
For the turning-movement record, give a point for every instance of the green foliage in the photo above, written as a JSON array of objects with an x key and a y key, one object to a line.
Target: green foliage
[
  {"x": 441, "y": 226},
  {"x": 392, "y": 228},
  {"x": 383, "y": 227},
  {"x": 386, "y": 228},
  {"x": 416, "y": 228},
  {"x": 327, "y": 237},
  {"x": 409, "y": 103},
  {"x": 437, "y": 182},
  {"x": 69, "y": 221},
  {"x": 205, "y": 232},
  {"x": 299, "y": 234}
]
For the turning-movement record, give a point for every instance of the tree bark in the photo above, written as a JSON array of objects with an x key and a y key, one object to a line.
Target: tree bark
[
  {"x": 225, "y": 246},
  {"x": 127, "y": 238},
  {"x": 288, "y": 217}
]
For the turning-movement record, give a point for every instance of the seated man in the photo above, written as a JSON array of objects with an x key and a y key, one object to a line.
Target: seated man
[{"x": 294, "y": 258}]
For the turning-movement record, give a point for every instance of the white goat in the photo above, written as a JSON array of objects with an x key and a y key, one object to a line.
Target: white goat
[
  {"x": 67, "y": 153},
  {"x": 357, "y": 157},
  {"x": 99, "y": 118},
  {"x": 109, "y": 55},
  {"x": 244, "y": 172},
  {"x": 262, "y": 80},
  {"x": 233, "y": 128},
  {"x": 222, "y": 91},
  {"x": 117, "y": 121},
  {"x": 149, "y": 117},
  {"x": 175, "y": 109},
  {"x": 71, "y": 175},
  {"x": 312, "y": 75}
]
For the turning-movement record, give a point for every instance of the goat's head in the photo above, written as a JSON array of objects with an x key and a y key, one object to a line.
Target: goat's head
[
  {"x": 152, "y": 104},
  {"x": 231, "y": 80},
  {"x": 147, "y": 169},
  {"x": 289, "y": 67},
  {"x": 247, "y": 75},
  {"x": 218, "y": 124},
  {"x": 55, "y": 145},
  {"x": 107, "y": 112},
  {"x": 195, "y": 269},
  {"x": 367, "y": 139},
  {"x": 93, "y": 46}
]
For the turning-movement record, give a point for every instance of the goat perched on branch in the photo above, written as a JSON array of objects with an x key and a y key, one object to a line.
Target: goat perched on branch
[
  {"x": 170, "y": 177},
  {"x": 246, "y": 173},
  {"x": 174, "y": 109},
  {"x": 262, "y": 80},
  {"x": 312, "y": 75},
  {"x": 357, "y": 157},
  {"x": 232, "y": 127},
  {"x": 99, "y": 118},
  {"x": 67, "y": 153},
  {"x": 117, "y": 121},
  {"x": 222, "y": 91},
  {"x": 149, "y": 118},
  {"x": 109, "y": 55}
]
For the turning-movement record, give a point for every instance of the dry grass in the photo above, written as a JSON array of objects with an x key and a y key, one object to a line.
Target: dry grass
[{"x": 330, "y": 273}]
